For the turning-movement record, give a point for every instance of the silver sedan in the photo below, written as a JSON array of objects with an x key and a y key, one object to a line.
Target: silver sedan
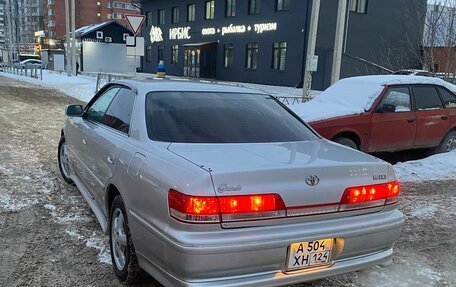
[{"x": 212, "y": 185}]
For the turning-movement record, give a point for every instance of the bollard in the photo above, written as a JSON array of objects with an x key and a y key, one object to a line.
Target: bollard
[{"x": 161, "y": 71}]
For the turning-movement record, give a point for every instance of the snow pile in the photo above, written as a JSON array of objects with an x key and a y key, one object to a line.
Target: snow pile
[
  {"x": 80, "y": 87},
  {"x": 437, "y": 167},
  {"x": 97, "y": 241},
  {"x": 355, "y": 95}
]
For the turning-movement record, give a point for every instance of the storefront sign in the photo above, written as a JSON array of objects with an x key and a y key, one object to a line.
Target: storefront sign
[
  {"x": 260, "y": 28},
  {"x": 208, "y": 31},
  {"x": 156, "y": 34},
  {"x": 233, "y": 29},
  {"x": 180, "y": 33},
  {"x": 239, "y": 29}
]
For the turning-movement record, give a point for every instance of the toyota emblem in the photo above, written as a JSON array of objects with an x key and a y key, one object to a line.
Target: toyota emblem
[{"x": 312, "y": 180}]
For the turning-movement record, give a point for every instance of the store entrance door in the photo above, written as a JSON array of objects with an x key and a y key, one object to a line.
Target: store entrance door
[
  {"x": 192, "y": 62},
  {"x": 200, "y": 60}
]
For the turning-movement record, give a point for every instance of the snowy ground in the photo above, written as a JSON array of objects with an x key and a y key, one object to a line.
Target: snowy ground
[{"x": 47, "y": 229}]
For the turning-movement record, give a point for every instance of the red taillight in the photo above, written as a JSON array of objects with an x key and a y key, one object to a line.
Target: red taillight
[
  {"x": 370, "y": 196},
  {"x": 249, "y": 207},
  {"x": 208, "y": 209},
  {"x": 202, "y": 209}
]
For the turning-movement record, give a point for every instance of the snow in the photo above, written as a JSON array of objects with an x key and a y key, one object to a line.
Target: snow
[
  {"x": 97, "y": 242},
  {"x": 355, "y": 95},
  {"x": 426, "y": 211},
  {"x": 437, "y": 167},
  {"x": 80, "y": 87}
]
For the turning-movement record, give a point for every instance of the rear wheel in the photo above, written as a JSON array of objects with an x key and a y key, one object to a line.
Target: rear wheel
[
  {"x": 346, "y": 142},
  {"x": 64, "y": 163},
  {"x": 123, "y": 255},
  {"x": 448, "y": 143}
]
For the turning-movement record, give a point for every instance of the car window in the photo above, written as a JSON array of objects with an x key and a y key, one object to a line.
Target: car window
[
  {"x": 449, "y": 99},
  {"x": 427, "y": 98},
  {"x": 399, "y": 97},
  {"x": 98, "y": 109},
  {"x": 210, "y": 117},
  {"x": 118, "y": 115}
]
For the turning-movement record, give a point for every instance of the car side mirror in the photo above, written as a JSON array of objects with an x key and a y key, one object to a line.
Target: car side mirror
[
  {"x": 74, "y": 111},
  {"x": 387, "y": 108}
]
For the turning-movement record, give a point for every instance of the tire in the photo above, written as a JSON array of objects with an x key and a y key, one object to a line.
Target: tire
[
  {"x": 123, "y": 255},
  {"x": 346, "y": 142},
  {"x": 63, "y": 161},
  {"x": 448, "y": 143}
]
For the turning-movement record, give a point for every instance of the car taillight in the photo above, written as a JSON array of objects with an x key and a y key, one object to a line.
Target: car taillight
[
  {"x": 369, "y": 196},
  {"x": 208, "y": 209},
  {"x": 250, "y": 207},
  {"x": 197, "y": 209}
]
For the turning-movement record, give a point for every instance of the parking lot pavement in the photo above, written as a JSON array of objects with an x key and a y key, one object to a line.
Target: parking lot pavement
[{"x": 49, "y": 237}]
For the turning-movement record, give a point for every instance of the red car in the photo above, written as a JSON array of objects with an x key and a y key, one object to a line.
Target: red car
[{"x": 386, "y": 113}]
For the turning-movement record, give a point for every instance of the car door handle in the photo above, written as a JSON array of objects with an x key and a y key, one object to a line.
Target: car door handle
[
  {"x": 110, "y": 159},
  {"x": 444, "y": 118},
  {"x": 411, "y": 121}
]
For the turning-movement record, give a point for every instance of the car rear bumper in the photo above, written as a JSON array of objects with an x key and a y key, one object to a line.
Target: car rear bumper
[{"x": 257, "y": 256}]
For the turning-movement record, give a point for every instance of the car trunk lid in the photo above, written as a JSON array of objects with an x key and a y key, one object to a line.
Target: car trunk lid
[{"x": 312, "y": 173}]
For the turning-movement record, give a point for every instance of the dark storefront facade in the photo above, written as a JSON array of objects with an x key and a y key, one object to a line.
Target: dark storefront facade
[{"x": 258, "y": 41}]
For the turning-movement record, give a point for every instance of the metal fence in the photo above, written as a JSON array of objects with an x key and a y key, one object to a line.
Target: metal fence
[
  {"x": 30, "y": 70},
  {"x": 104, "y": 78}
]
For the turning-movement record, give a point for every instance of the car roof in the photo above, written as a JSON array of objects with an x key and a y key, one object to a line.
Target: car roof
[
  {"x": 389, "y": 80},
  {"x": 147, "y": 86}
]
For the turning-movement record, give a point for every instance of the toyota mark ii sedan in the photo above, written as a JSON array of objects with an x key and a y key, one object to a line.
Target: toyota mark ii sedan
[{"x": 210, "y": 185}]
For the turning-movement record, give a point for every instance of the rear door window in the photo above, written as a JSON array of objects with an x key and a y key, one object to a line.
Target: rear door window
[
  {"x": 449, "y": 99},
  {"x": 118, "y": 114},
  {"x": 427, "y": 98},
  {"x": 399, "y": 97}
]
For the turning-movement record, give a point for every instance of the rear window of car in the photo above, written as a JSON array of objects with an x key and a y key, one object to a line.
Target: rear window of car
[
  {"x": 208, "y": 117},
  {"x": 448, "y": 98}
]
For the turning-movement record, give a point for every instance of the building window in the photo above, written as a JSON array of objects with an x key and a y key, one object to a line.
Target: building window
[
  {"x": 210, "y": 10},
  {"x": 175, "y": 54},
  {"x": 279, "y": 56},
  {"x": 148, "y": 54},
  {"x": 230, "y": 8},
  {"x": 149, "y": 18},
  {"x": 251, "y": 61},
  {"x": 159, "y": 53},
  {"x": 191, "y": 8},
  {"x": 175, "y": 15},
  {"x": 228, "y": 55},
  {"x": 282, "y": 5},
  {"x": 161, "y": 17},
  {"x": 254, "y": 7},
  {"x": 358, "y": 6}
]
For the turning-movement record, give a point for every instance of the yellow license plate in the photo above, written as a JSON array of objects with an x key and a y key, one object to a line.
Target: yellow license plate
[{"x": 309, "y": 254}]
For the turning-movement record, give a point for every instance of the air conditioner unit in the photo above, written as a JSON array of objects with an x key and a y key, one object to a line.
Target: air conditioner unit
[{"x": 108, "y": 39}]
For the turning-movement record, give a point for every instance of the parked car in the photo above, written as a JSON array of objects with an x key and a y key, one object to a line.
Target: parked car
[
  {"x": 30, "y": 62},
  {"x": 414, "y": 72},
  {"x": 386, "y": 113},
  {"x": 202, "y": 184}
]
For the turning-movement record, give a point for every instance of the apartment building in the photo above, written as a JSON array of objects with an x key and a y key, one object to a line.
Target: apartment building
[
  {"x": 30, "y": 19},
  {"x": 87, "y": 13},
  {"x": 2, "y": 25}
]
